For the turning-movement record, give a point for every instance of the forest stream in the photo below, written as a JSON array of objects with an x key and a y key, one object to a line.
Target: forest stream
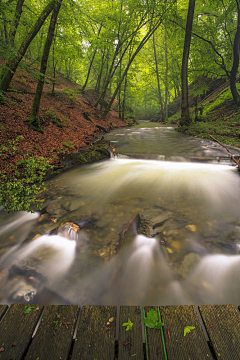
[{"x": 171, "y": 200}]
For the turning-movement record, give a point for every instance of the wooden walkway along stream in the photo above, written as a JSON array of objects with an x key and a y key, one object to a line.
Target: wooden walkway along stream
[{"x": 48, "y": 333}]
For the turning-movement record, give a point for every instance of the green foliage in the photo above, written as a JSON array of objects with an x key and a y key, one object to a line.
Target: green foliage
[
  {"x": 69, "y": 145},
  {"x": 56, "y": 323},
  {"x": 129, "y": 325},
  {"x": 20, "y": 185},
  {"x": 152, "y": 320},
  {"x": 71, "y": 94},
  {"x": 28, "y": 309},
  {"x": 187, "y": 329},
  {"x": 55, "y": 119}
]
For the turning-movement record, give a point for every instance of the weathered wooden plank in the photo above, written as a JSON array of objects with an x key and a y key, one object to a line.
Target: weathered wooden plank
[
  {"x": 94, "y": 338},
  {"x": 54, "y": 336},
  {"x": 154, "y": 339},
  {"x": 192, "y": 346},
  {"x": 16, "y": 331},
  {"x": 3, "y": 309},
  {"x": 222, "y": 323},
  {"x": 133, "y": 337}
]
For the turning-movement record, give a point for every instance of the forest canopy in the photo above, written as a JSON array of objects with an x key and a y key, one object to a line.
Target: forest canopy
[{"x": 131, "y": 50}]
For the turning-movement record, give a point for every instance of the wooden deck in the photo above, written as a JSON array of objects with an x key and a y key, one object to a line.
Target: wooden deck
[{"x": 68, "y": 332}]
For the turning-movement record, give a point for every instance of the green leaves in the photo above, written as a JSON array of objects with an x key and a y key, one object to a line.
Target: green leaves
[
  {"x": 152, "y": 320},
  {"x": 20, "y": 185},
  {"x": 129, "y": 325},
  {"x": 187, "y": 329},
  {"x": 56, "y": 323},
  {"x": 28, "y": 309}
]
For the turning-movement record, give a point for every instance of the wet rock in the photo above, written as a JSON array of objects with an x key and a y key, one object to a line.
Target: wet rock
[
  {"x": 43, "y": 217},
  {"x": 55, "y": 209},
  {"x": 73, "y": 205},
  {"x": 189, "y": 262},
  {"x": 105, "y": 253},
  {"x": 191, "y": 228},
  {"x": 70, "y": 229},
  {"x": 20, "y": 291},
  {"x": 27, "y": 272},
  {"x": 151, "y": 221}
]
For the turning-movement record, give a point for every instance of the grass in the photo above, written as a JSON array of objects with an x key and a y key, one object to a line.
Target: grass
[{"x": 220, "y": 118}]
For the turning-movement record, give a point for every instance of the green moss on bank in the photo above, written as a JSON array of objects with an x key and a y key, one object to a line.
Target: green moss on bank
[{"x": 220, "y": 118}]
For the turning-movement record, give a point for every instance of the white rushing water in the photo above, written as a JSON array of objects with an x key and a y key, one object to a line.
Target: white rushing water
[{"x": 194, "y": 258}]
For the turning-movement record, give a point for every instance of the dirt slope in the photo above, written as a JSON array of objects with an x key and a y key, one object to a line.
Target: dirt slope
[{"x": 66, "y": 117}]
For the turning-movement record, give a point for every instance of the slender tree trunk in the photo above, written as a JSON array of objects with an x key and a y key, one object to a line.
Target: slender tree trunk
[
  {"x": 54, "y": 64},
  {"x": 158, "y": 82},
  {"x": 90, "y": 66},
  {"x": 33, "y": 120},
  {"x": 5, "y": 32},
  {"x": 166, "y": 77},
  {"x": 15, "y": 22},
  {"x": 119, "y": 93},
  {"x": 140, "y": 46},
  {"x": 9, "y": 70},
  {"x": 108, "y": 78},
  {"x": 89, "y": 70},
  {"x": 124, "y": 99},
  {"x": 98, "y": 84},
  {"x": 185, "y": 116},
  {"x": 235, "y": 66}
]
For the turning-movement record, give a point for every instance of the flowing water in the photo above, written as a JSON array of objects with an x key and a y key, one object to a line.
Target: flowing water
[{"x": 191, "y": 255}]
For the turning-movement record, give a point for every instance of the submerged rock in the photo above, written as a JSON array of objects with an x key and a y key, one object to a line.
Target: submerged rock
[
  {"x": 189, "y": 262},
  {"x": 151, "y": 222},
  {"x": 27, "y": 272},
  {"x": 21, "y": 291}
]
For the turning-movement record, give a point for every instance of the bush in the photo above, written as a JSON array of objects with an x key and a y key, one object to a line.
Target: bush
[{"x": 20, "y": 185}]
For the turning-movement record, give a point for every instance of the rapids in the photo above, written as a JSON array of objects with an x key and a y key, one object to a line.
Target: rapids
[{"x": 194, "y": 258}]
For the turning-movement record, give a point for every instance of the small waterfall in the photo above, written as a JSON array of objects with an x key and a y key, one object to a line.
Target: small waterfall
[
  {"x": 216, "y": 279},
  {"x": 18, "y": 219},
  {"x": 55, "y": 251}
]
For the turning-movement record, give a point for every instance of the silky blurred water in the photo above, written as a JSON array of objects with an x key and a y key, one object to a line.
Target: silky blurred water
[{"x": 194, "y": 259}]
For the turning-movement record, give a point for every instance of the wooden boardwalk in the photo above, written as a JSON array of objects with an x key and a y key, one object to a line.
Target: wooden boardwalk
[{"x": 40, "y": 333}]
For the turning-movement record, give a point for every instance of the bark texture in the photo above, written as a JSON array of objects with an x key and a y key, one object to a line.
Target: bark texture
[
  {"x": 235, "y": 66},
  {"x": 185, "y": 117},
  {"x": 158, "y": 81},
  {"x": 33, "y": 120},
  {"x": 9, "y": 70},
  {"x": 15, "y": 23}
]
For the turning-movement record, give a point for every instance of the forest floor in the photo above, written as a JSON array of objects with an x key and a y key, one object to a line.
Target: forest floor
[
  {"x": 220, "y": 118},
  {"x": 69, "y": 121}
]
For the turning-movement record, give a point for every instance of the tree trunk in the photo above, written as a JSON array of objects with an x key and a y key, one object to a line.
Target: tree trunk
[
  {"x": 15, "y": 22},
  {"x": 166, "y": 77},
  {"x": 158, "y": 82},
  {"x": 140, "y": 46},
  {"x": 185, "y": 116},
  {"x": 54, "y": 64},
  {"x": 98, "y": 84},
  {"x": 235, "y": 66},
  {"x": 124, "y": 99},
  {"x": 33, "y": 120},
  {"x": 119, "y": 93},
  {"x": 90, "y": 66},
  {"x": 9, "y": 70},
  {"x": 108, "y": 78}
]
